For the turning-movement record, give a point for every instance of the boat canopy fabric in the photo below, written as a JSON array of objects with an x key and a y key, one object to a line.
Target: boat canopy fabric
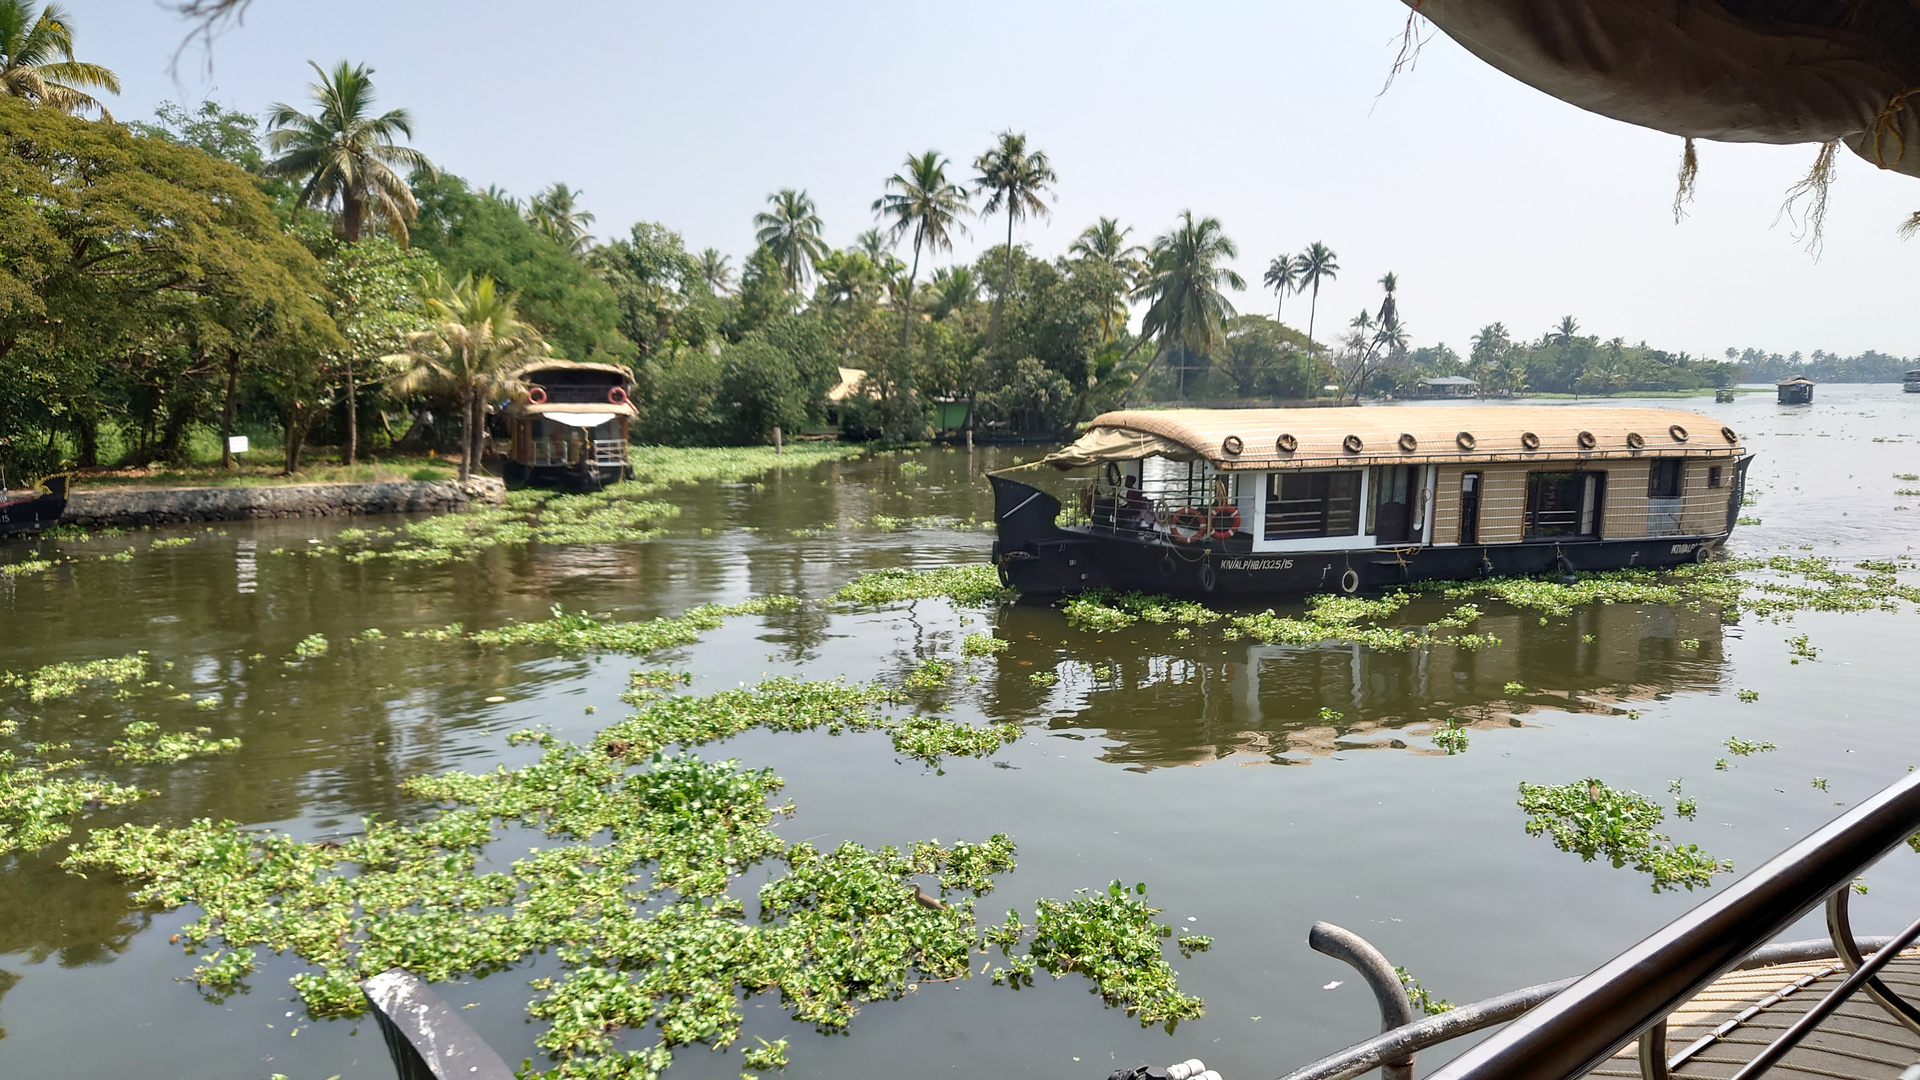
[
  {"x": 524, "y": 371},
  {"x": 1232, "y": 439},
  {"x": 1766, "y": 71},
  {"x": 1101, "y": 444},
  {"x": 580, "y": 419}
]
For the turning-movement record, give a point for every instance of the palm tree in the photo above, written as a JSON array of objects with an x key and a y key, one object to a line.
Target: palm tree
[
  {"x": 848, "y": 277},
  {"x": 476, "y": 341},
  {"x": 1016, "y": 179},
  {"x": 345, "y": 154},
  {"x": 1488, "y": 350},
  {"x": 555, "y": 213},
  {"x": 715, "y": 271},
  {"x": 1105, "y": 241},
  {"x": 1283, "y": 277},
  {"x": 954, "y": 288},
  {"x": 1389, "y": 307},
  {"x": 791, "y": 231},
  {"x": 1317, "y": 264},
  {"x": 1183, "y": 288},
  {"x": 1568, "y": 329},
  {"x": 36, "y": 60},
  {"x": 927, "y": 205}
]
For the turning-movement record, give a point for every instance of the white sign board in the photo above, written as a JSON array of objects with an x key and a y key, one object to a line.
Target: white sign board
[{"x": 237, "y": 444}]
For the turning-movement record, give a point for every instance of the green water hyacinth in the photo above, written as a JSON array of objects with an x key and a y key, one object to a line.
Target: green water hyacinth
[
  {"x": 38, "y": 801},
  {"x": 56, "y": 681},
  {"x": 975, "y": 585},
  {"x": 1113, "y": 938},
  {"x": 1595, "y": 821},
  {"x": 583, "y": 632}
]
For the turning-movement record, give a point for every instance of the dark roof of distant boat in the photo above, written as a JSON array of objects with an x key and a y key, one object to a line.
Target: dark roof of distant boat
[{"x": 1796, "y": 380}]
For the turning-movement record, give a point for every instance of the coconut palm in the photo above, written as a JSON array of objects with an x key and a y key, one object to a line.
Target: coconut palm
[
  {"x": 925, "y": 204},
  {"x": 715, "y": 271},
  {"x": 1105, "y": 241},
  {"x": 791, "y": 231},
  {"x": 1317, "y": 264},
  {"x": 1013, "y": 179},
  {"x": 848, "y": 277},
  {"x": 1185, "y": 306},
  {"x": 36, "y": 60},
  {"x": 555, "y": 212},
  {"x": 1566, "y": 331},
  {"x": 1283, "y": 277},
  {"x": 1389, "y": 307},
  {"x": 954, "y": 288},
  {"x": 475, "y": 342},
  {"x": 346, "y": 154}
]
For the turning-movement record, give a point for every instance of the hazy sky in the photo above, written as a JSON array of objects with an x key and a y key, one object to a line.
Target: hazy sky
[{"x": 1490, "y": 200}]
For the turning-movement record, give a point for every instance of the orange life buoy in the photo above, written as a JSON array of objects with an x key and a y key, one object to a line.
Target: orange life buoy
[
  {"x": 1187, "y": 525},
  {"x": 1225, "y": 522},
  {"x": 537, "y": 395},
  {"x": 617, "y": 396}
]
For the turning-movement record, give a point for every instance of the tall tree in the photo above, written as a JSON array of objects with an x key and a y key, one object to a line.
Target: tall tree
[
  {"x": 556, "y": 212},
  {"x": 475, "y": 341},
  {"x": 791, "y": 231},
  {"x": 1185, "y": 304},
  {"x": 928, "y": 206},
  {"x": 1567, "y": 329},
  {"x": 1283, "y": 277},
  {"x": 346, "y": 155},
  {"x": 1105, "y": 241},
  {"x": 1317, "y": 264},
  {"x": 36, "y": 60},
  {"x": 1015, "y": 181},
  {"x": 1389, "y": 306},
  {"x": 715, "y": 271}
]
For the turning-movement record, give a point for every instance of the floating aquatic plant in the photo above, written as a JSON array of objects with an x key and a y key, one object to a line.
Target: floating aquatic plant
[{"x": 1595, "y": 821}]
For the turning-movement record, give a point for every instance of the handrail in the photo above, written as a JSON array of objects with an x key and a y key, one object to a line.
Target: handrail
[
  {"x": 1603, "y": 1012},
  {"x": 1466, "y": 1019}
]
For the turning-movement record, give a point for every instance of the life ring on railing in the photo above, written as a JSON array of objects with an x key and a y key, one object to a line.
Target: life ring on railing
[
  {"x": 1679, "y": 433},
  {"x": 1349, "y": 582},
  {"x": 1187, "y": 525},
  {"x": 1225, "y": 521},
  {"x": 537, "y": 395},
  {"x": 617, "y": 396}
]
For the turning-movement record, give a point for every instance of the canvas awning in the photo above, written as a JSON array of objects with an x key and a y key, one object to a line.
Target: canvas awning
[
  {"x": 580, "y": 419},
  {"x": 1765, "y": 71},
  {"x": 1116, "y": 444}
]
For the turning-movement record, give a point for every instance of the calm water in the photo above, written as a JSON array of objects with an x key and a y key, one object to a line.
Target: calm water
[{"x": 1200, "y": 767}]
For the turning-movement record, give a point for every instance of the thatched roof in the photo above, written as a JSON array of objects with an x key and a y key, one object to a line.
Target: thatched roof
[
  {"x": 1766, "y": 71},
  {"x": 1401, "y": 435}
]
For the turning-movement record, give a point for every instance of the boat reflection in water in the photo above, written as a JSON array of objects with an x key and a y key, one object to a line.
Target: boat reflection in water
[{"x": 1287, "y": 704}]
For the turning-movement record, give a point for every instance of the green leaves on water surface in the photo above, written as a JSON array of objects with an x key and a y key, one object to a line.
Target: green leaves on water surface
[
  {"x": 629, "y": 889},
  {"x": 930, "y": 738},
  {"x": 1743, "y": 747},
  {"x": 584, "y": 632},
  {"x": 145, "y": 744},
  {"x": 1112, "y": 938},
  {"x": 1593, "y": 820},
  {"x": 24, "y": 567},
  {"x": 973, "y": 585},
  {"x": 38, "y": 800},
  {"x": 1452, "y": 738},
  {"x": 56, "y": 681}
]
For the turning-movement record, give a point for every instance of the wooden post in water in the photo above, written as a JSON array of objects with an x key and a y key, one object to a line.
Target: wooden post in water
[{"x": 776, "y": 438}]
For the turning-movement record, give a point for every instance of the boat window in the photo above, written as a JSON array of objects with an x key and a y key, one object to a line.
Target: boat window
[
  {"x": 1664, "y": 480},
  {"x": 1470, "y": 508},
  {"x": 1564, "y": 504},
  {"x": 1301, "y": 505},
  {"x": 1392, "y": 509},
  {"x": 1715, "y": 476}
]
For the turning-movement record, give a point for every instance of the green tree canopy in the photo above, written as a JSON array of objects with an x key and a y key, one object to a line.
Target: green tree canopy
[{"x": 478, "y": 235}]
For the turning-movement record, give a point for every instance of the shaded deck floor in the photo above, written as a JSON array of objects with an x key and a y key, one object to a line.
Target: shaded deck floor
[{"x": 1861, "y": 1041}]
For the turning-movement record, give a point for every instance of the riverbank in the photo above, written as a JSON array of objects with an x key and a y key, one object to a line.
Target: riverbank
[{"x": 139, "y": 507}]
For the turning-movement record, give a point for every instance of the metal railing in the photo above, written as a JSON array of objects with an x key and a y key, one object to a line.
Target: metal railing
[
  {"x": 560, "y": 452},
  {"x": 1565, "y": 1029}
]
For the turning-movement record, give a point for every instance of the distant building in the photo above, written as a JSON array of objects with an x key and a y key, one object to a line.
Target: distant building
[{"x": 1451, "y": 386}]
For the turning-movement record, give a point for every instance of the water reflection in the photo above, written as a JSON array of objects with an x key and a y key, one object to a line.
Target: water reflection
[{"x": 1288, "y": 704}]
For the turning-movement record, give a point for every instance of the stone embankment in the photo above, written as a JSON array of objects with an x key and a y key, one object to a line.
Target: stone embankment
[{"x": 125, "y": 507}]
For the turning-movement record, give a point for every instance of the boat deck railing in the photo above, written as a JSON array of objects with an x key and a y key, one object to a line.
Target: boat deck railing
[
  {"x": 559, "y": 452},
  {"x": 1564, "y": 1030}
]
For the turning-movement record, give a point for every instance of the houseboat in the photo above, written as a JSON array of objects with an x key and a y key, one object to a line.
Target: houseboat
[
  {"x": 1912, "y": 383},
  {"x": 567, "y": 425},
  {"x": 1254, "y": 502},
  {"x": 34, "y": 511},
  {"x": 1795, "y": 391}
]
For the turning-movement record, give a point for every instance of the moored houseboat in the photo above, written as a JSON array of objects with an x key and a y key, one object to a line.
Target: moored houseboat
[
  {"x": 1912, "y": 382},
  {"x": 1795, "y": 391},
  {"x": 567, "y": 425},
  {"x": 1276, "y": 501}
]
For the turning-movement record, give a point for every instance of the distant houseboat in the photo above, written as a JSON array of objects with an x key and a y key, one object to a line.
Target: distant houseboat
[
  {"x": 36, "y": 511},
  {"x": 567, "y": 425},
  {"x": 1795, "y": 391},
  {"x": 1912, "y": 383},
  {"x": 1277, "y": 501}
]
